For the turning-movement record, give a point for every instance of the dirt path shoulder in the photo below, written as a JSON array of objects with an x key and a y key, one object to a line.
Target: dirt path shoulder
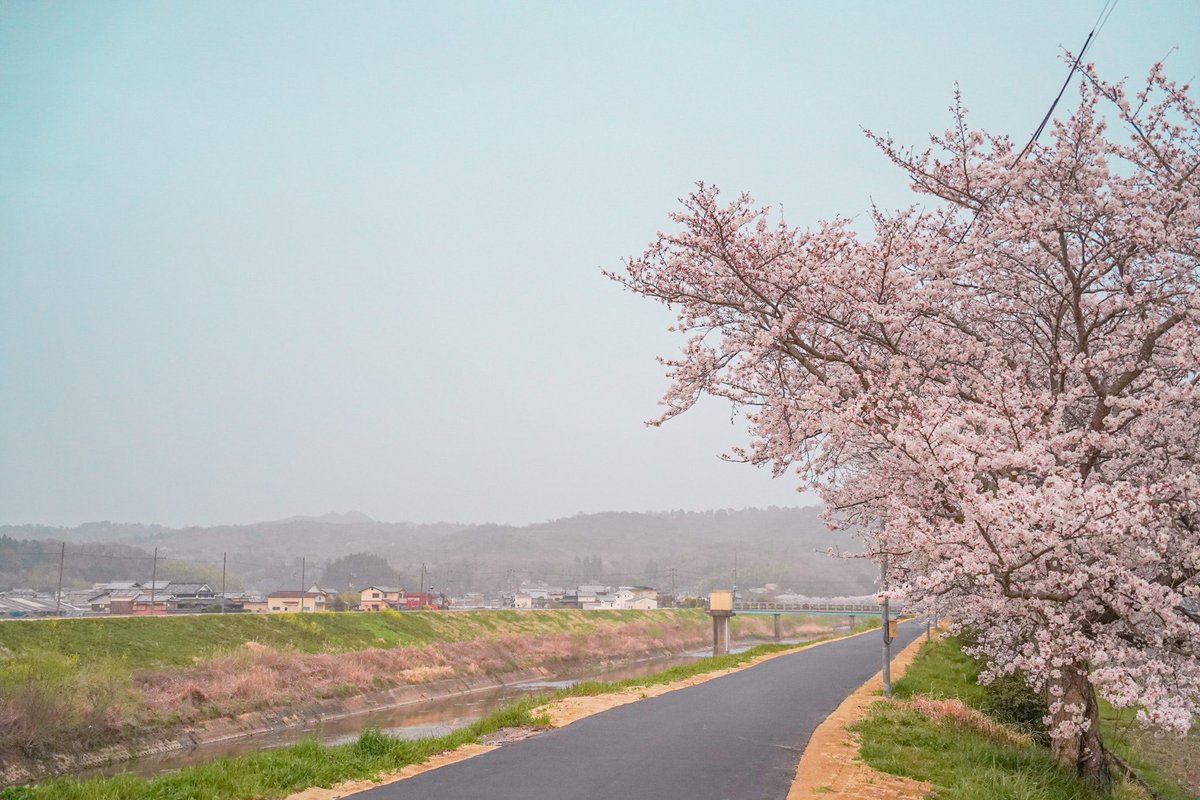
[{"x": 830, "y": 768}]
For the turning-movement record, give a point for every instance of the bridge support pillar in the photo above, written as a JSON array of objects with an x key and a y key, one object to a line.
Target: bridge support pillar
[
  {"x": 720, "y": 608},
  {"x": 721, "y": 633},
  {"x": 778, "y": 627}
]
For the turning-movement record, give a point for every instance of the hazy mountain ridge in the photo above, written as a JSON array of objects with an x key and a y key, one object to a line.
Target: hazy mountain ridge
[{"x": 772, "y": 545}]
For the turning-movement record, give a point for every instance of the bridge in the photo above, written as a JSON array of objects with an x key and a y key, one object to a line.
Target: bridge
[
  {"x": 723, "y": 604},
  {"x": 814, "y": 606}
]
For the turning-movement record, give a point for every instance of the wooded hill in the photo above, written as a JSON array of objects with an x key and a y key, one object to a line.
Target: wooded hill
[{"x": 695, "y": 550}]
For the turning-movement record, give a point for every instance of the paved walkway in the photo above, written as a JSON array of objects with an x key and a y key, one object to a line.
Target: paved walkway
[{"x": 738, "y": 737}]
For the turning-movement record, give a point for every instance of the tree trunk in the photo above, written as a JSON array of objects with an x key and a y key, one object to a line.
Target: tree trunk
[{"x": 1081, "y": 752}]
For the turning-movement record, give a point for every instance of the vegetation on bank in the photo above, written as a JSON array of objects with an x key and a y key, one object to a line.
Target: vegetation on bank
[
  {"x": 975, "y": 742},
  {"x": 278, "y": 772},
  {"x": 180, "y": 640},
  {"x": 66, "y": 689}
]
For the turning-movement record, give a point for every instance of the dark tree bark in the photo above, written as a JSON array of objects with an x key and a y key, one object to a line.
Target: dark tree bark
[{"x": 1082, "y": 752}]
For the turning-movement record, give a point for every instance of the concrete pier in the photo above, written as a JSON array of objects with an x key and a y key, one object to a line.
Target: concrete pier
[
  {"x": 720, "y": 608},
  {"x": 721, "y": 634}
]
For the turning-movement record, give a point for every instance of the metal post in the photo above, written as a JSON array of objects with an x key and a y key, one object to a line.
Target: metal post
[
  {"x": 153, "y": 579},
  {"x": 887, "y": 640},
  {"x": 223, "y": 555},
  {"x": 62, "y": 557}
]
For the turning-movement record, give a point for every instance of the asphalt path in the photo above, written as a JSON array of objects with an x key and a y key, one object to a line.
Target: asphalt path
[{"x": 737, "y": 737}]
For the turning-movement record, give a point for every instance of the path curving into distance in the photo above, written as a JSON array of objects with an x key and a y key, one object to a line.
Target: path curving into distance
[{"x": 737, "y": 737}]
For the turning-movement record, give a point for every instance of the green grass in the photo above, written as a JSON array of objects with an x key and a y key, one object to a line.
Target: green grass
[
  {"x": 69, "y": 683},
  {"x": 178, "y": 640},
  {"x": 678, "y": 672},
  {"x": 963, "y": 762},
  {"x": 1150, "y": 759},
  {"x": 942, "y": 670},
  {"x": 278, "y": 772}
]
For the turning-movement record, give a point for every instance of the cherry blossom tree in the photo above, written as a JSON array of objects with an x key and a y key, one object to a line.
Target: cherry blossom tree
[{"x": 999, "y": 387}]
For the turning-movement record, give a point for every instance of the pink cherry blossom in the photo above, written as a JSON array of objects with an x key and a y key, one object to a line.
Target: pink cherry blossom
[{"x": 1000, "y": 388}]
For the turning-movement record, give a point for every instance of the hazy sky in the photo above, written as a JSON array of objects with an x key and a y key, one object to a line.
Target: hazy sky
[{"x": 263, "y": 259}]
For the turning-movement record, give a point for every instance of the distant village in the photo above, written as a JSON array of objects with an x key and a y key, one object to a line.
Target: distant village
[{"x": 148, "y": 598}]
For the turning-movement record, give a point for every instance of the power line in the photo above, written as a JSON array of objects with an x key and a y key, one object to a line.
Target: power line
[{"x": 1097, "y": 26}]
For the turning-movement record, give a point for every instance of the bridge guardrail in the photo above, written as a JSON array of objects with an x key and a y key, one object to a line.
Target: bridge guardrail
[{"x": 754, "y": 605}]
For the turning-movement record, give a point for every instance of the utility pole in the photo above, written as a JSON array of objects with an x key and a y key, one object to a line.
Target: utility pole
[
  {"x": 303, "y": 564},
  {"x": 223, "y": 555},
  {"x": 62, "y": 557},
  {"x": 422, "y": 581},
  {"x": 153, "y": 579},
  {"x": 887, "y": 639},
  {"x": 673, "y": 594},
  {"x": 735, "y": 575}
]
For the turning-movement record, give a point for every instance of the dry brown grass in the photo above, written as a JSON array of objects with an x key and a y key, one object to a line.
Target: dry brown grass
[
  {"x": 954, "y": 711},
  {"x": 54, "y": 704},
  {"x": 255, "y": 676}
]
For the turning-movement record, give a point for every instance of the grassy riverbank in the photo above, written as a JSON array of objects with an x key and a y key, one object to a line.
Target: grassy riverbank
[
  {"x": 976, "y": 742},
  {"x": 71, "y": 687},
  {"x": 279, "y": 772},
  {"x": 181, "y": 640}
]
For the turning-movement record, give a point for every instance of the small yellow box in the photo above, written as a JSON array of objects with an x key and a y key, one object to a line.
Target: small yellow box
[
  {"x": 891, "y": 629},
  {"x": 720, "y": 600}
]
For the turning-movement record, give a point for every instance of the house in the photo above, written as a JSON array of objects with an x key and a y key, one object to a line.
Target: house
[
  {"x": 151, "y": 604},
  {"x": 378, "y": 598},
  {"x": 283, "y": 600},
  {"x": 469, "y": 600},
  {"x": 27, "y": 603},
  {"x": 255, "y": 605},
  {"x": 234, "y": 602},
  {"x": 192, "y": 597},
  {"x": 417, "y": 601},
  {"x": 100, "y": 587},
  {"x": 639, "y": 597},
  {"x": 114, "y": 601}
]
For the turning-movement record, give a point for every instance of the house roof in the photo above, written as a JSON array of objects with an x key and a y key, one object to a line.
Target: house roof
[
  {"x": 293, "y": 593},
  {"x": 158, "y": 597},
  {"x": 188, "y": 588},
  {"x": 388, "y": 589},
  {"x": 116, "y": 594},
  {"x": 34, "y": 605}
]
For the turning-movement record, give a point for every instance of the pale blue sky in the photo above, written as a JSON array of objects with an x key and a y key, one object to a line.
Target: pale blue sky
[{"x": 263, "y": 259}]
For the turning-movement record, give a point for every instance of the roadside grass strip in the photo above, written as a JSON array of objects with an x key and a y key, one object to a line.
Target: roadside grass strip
[
  {"x": 278, "y": 772},
  {"x": 974, "y": 742}
]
